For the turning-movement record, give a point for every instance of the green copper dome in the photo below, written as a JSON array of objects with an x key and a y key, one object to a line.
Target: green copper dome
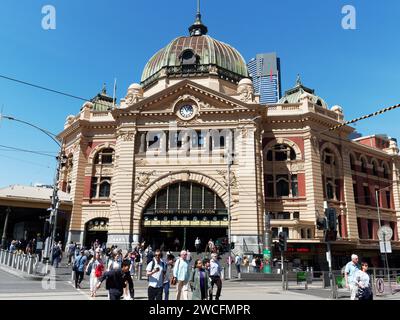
[
  {"x": 195, "y": 55},
  {"x": 293, "y": 95}
]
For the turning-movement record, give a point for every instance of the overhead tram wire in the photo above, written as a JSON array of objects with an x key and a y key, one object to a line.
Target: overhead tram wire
[
  {"x": 374, "y": 114},
  {"x": 27, "y": 151},
  {"x": 49, "y": 89}
]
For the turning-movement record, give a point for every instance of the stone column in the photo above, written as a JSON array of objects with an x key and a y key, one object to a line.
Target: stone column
[
  {"x": 351, "y": 216},
  {"x": 120, "y": 223},
  {"x": 77, "y": 226},
  {"x": 313, "y": 178},
  {"x": 396, "y": 191},
  {"x": 245, "y": 212}
]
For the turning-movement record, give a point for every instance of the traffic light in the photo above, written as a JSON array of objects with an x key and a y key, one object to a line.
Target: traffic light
[
  {"x": 321, "y": 223},
  {"x": 332, "y": 220},
  {"x": 232, "y": 245},
  {"x": 331, "y": 230},
  {"x": 282, "y": 242},
  {"x": 46, "y": 231}
]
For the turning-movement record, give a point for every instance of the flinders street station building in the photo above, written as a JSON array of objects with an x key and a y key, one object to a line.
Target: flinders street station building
[{"x": 190, "y": 152}]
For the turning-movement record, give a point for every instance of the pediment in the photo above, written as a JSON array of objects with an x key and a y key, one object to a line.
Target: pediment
[{"x": 205, "y": 100}]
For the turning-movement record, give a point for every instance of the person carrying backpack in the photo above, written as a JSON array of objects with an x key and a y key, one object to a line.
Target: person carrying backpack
[
  {"x": 79, "y": 267},
  {"x": 155, "y": 272}
]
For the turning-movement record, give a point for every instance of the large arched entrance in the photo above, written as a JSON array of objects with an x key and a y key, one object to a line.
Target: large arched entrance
[
  {"x": 96, "y": 229},
  {"x": 184, "y": 211}
]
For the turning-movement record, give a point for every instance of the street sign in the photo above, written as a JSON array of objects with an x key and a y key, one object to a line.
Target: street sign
[
  {"x": 385, "y": 246},
  {"x": 380, "y": 285},
  {"x": 385, "y": 233}
]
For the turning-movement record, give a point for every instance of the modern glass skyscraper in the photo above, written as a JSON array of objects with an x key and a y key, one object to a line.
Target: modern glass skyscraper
[{"x": 265, "y": 71}]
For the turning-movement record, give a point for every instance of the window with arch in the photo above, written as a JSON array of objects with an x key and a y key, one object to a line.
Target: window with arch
[
  {"x": 352, "y": 162},
  {"x": 386, "y": 171},
  {"x": 281, "y": 152},
  {"x": 104, "y": 156},
  {"x": 281, "y": 185},
  {"x": 364, "y": 165},
  {"x": 374, "y": 168},
  {"x": 100, "y": 186},
  {"x": 331, "y": 175}
]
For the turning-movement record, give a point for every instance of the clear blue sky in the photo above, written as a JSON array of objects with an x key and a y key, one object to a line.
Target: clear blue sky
[{"x": 98, "y": 40}]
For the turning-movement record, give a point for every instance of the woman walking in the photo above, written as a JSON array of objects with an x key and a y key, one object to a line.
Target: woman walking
[
  {"x": 363, "y": 282},
  {"x": 200, "y": 282},
  {"x": 95, "y": 270}
]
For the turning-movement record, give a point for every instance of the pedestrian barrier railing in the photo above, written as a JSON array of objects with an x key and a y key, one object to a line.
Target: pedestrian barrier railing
[{"x": 22, "y": 262}]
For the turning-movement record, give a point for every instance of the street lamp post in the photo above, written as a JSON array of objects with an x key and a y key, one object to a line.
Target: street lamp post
[
  {"x": 4, "y": 237},
  {"x": 384, "y": 240}
]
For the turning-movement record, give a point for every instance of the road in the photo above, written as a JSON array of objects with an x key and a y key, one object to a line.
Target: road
[{"x": 13, "y": 287}]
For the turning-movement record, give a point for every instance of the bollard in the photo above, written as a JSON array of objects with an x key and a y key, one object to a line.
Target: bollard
[
  {"x": 9, "y": 260},
  {"x": 140, "y": 272},
  {"x": 30, "y": 265},
  {"x": 1, "y": 256},
  {"x": 13, "y": 259}
]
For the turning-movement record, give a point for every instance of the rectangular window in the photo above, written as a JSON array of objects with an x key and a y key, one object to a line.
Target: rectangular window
[
  {"x": 162, "y": 199},
  {"x": 388, "y": 199},
  {"x": 274, "y": 233},
  {"x": 355, "y": 192},
  {"x": 197, "y": 197},
  {"x": 93, "y": 188},
  {"x": 309, "y": 234},
  {"x": 296, "y": 215},
  {"x": 295, "y": 189},
  {"x": 367, "y": 196},
  {"x": 284, "y": 215},
  {"x": 270, "y": 186},
  {"x": 286, "y": 231},
  {"x": 360, "y": 232},
  {"x": 185, "y": 195},
  {"x": 173, "y": 197},
  {"x": 370, "y": 229},
  {"x": 208, "y": 199}
]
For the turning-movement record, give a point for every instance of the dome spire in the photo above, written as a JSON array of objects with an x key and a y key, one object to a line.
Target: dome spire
[{"x": 198, "y": 28}]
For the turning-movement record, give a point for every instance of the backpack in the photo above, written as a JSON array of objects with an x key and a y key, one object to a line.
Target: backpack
[{"x": 152, "y": 268}]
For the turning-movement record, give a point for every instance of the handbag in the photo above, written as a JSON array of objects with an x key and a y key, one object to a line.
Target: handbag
[
  {"x": 89, "y": 269},
  {"x": 173, "y": 281}
]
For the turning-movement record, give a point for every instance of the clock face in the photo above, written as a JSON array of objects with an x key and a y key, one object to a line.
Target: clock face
[{"x": 186, "y": 111}]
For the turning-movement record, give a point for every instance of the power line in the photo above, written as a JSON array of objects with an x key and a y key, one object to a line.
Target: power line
[
  {"x": 30, "y": 84},
  {"x": 26, "y": 161},
  {"x": 363, "y": 117},
  {"x": 27, "y": 151}
]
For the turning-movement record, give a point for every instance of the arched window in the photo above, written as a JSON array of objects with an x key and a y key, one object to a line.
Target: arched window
[
  {"x": 104, "y": 156},
  {"x": 104, "y": 190},
  {"x": 374, "y": 168},
  {"x": 319, "y": 103},
  {"x": 281, "y": 152},
  {"x": 282, "y": 186},
  {"x": 363, "y": 165},
  {"x": 188, "y": 197},
  {"x": 386, "y": 171},
  {"x": 352, "y": 162}
]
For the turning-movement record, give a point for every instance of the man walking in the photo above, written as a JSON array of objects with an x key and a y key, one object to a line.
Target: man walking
[
  {"x": 181, "y": 274},
  {"x": 238, "y": 262},
  {"x": 155, "y": 273},
  {"x": 197, "y": 244},
  {"x": 79, "y": 267},
  {"x": 215, "y": 275},
  {"x": 349, "y": 274},
  {"x": 115, "y": 281}
]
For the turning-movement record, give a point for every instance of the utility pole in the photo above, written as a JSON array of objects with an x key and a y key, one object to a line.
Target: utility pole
[
  {"x": 4, "y": 237},
  {"x": 386, "y": 261}
]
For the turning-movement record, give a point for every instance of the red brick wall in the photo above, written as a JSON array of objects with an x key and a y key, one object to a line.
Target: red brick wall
[
  {"x": 301, "y": 178},
  {"x": 86, "y": 187}
]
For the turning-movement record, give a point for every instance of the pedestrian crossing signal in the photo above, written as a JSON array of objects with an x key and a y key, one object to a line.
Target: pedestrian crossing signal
[{"x": 282, "y": 242}]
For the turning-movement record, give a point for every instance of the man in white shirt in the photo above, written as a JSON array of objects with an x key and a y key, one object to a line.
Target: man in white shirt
[
  {"x": 155, "y": 273},
  {"x": 197, "y": 244},
  {"x": 215, "y": 275},
  {"x": 349, "y": 274}
]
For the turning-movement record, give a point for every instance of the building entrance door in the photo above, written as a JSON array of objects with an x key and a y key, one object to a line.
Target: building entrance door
[{"x": 96, "y": 229}]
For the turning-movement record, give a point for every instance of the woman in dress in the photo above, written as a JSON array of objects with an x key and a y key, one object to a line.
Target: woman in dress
[{"x": 95, "y": 264}]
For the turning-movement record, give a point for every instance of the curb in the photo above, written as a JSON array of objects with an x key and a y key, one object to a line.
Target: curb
[{"x": 19, "y": 274}]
